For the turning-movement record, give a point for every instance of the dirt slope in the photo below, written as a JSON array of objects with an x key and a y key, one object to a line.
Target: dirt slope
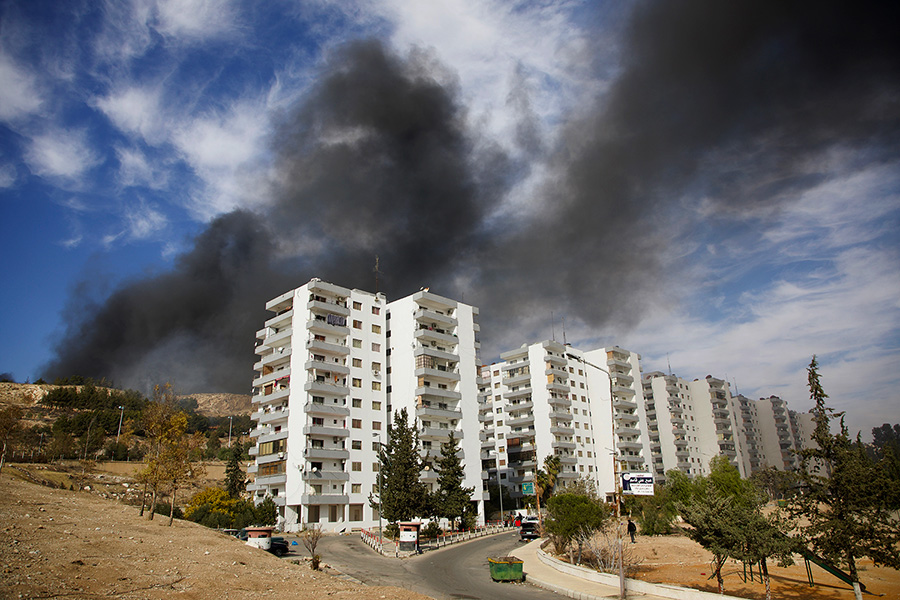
[{"x": 57, "y": 543}]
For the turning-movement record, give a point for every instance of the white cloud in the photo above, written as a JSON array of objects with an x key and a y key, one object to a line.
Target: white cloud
[
  {"x": 7, "y": 176},
  {"x": 19, "y": 95},
  {"x": 226, "y": 151},
  {"x": 194, "y": 19},
  {"x": 63, "y": 154},
  {"x": 136, "y": 111},
  {"x": 135, "y": 169},
  {"x": 144, "y": 220}
]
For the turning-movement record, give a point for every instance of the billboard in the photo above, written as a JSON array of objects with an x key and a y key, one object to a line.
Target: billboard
[{"x": 637, "y": 484}]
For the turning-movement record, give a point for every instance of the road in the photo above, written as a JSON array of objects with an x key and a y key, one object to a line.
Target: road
[{"x": 458, "y": 572}]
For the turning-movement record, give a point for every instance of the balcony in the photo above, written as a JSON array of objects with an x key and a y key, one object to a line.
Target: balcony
[
  {"x": 326, "y": 431},
  {"x": 519, "y": 421},
  {"x": 263, "y": 417},
  {"x": 623, "y": 404},
  {"x": 312, "y": 453},
  {"x": 271, "y": 377},
  {"x": 568, "y": 460},
  {"x": 438, "y": 374},
  {"x": 327, "y": 347},
  {"x": 437, "y": 412},
  {"x": 622, "y": 390},
  {"x": 273, "y": 396},
  {"x": 433, "y": 391},
  {"x": 327, "y": 328},
  {"x": 487, "y": 444},
  {"x": 434, "y": 318},
  {"x": 272, "y": 338},
  {"x": 271, "y": 479},
  {"x": 317, "y": 476},
  {"x": 556, "y": 386},
  {"x": 320, "y": 386},
  {"x": 622, "y": 431},
  {"x": 321, "y": 499},
  {"x": 427, "y": 336},
  {"x": 428, "y": 350},
  {"x": 560, "y": 415},
  {"x": 559, "y": 401},
  {"x": 560, "y": 430},
  {"x": 324, "y": 308},
  {"x": 519, "y": 393},
  {"x": 562, "y": 445},
  {"x": 627, "y": 445},
  {"x": 438, "y": 433},
  {"x": 519, "y": 407},
  {"x": 327, "y": 367},
  {"x": 320, "y": 408}
]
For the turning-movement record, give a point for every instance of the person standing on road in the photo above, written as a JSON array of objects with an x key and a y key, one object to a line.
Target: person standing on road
[{"x": 632, "y": 529}]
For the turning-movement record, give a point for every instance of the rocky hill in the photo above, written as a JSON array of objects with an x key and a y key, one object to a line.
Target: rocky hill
[{"x": 64, "y": 544}]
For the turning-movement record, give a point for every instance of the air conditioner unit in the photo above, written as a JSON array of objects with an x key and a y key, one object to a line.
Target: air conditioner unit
[{"x": 281, "y": 455}]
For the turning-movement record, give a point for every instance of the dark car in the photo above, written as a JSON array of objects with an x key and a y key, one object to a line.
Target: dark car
[
  {"x": 279, "y": 546},
  {"x": 529, "y": 531}
]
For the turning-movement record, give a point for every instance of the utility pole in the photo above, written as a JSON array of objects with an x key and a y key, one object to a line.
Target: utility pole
[
  {"x": 118, "y": 433},
  {"x": 230, "y": 423}
]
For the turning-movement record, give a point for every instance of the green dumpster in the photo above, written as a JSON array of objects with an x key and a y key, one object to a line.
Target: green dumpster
[{"x": 506, "y": 568}]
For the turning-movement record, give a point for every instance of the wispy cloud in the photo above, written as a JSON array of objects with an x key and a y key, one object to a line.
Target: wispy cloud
[
  {"x": 19, "y": 95},
  {"x": 61, "y": 154}
]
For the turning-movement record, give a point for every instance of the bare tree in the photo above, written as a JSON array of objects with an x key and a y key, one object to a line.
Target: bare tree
[{"x": 311, "y": 537}]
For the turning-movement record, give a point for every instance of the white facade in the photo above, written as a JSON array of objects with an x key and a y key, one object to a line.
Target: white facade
[
  {"x": 328, "y": 361},
  {"x": 433, "y": 362},
  {"x": 549, "y": 398},
  {"x": 689, "y": 423}
]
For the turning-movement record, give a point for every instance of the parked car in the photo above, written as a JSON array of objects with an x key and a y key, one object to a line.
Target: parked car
[
  {"x": 279, "y": 546},
  {"x": 529, "y": 531}
]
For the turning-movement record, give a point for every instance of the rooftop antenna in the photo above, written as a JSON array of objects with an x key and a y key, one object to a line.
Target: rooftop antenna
[
  {"x": 668, "y": 364},
  {"x": 552, "y": 327},
  {"x": 377, "y": 273},
  {"x": 564, "y": 332},
  {"x": 734, "y": 380}
]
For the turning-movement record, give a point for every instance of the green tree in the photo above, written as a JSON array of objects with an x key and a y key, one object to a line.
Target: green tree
[
  {"x": 403, "y": 496},
  {"x": 10, "y": 429},
  {"x": 574, "y": 517},
  {"x": 235, "y": 481},
  {"x": 450, "y": 499},
  {"x": 776, "y": 484},
  {"x": 266, "y": 512},
  {"x": 847, "y": 497}
]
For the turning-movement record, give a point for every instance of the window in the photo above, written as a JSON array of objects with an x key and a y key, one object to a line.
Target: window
[
  {"x": 376, "y": 328},
  {"x": 357, "y": 466},
  {"x": 357, "y": 324},
  {"x": 376, "y": 310},
  {"x": 357, "y": 343},
  {"x": 580, "y": 372},
  {"x": 376, "y": 386},
  {"x": 356, "y": 444},
  {"x": 376, "y": 347},
  {"x": 357, "y": 362},
  {"x": 376, "y": 405},
  {"x": 376, "y": 467},
  {"x": 376, "y": 425},
  {"x": 499, "y": 424},
  {"x": 357, "y": 382},
  {"x": 357, "y": 423},
  {"x": 357, "y": 403},
  {"x": 375, "y": 446},
  {"x": 357, "y": 306},
  {"x": 376, "y": 366},
  {"x": 356, "y": 512},
  {"x": 356, "y": 488}
]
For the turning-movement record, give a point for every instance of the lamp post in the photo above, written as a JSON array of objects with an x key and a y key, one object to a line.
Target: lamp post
[
  {"x": 118, "y": 433},
  {"x": 618, "y": 479},
  {"x": 230, "y": 423},
  {"x": 380, "y": 489}
]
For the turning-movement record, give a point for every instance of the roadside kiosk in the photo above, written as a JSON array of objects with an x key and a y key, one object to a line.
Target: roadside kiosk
[
  {"x": 260, "y": 537},
  {"x": 409, "y": 536}
]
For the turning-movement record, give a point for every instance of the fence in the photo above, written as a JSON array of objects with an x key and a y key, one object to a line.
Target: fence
[{"x": 387, "y": 546}]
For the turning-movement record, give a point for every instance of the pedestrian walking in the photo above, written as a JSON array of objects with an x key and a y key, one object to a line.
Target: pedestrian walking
[{"x": 632, "y": 529}]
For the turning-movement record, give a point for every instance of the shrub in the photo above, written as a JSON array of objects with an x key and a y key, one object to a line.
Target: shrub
[{"x": 432, "y": 530}]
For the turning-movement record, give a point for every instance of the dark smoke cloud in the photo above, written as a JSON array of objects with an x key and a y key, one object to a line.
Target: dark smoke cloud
[{"x": 737, "y": 103}]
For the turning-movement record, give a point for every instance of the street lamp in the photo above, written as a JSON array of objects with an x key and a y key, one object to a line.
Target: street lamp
[
  {"x": 121, "y": 414},
  {"x": 618, "y": 480},
  {"x": 380, "y": 490},
  {"x": 230, "y": 423}
]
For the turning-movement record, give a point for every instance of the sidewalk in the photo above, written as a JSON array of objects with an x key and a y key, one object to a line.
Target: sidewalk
[{"x": 545, "y": 576}]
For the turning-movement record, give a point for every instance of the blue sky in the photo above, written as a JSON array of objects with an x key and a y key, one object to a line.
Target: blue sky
[{"x": 663, "y": 176}]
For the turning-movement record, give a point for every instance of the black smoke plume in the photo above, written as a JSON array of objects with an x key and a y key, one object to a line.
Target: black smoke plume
[{"x": 733, "y": 107}]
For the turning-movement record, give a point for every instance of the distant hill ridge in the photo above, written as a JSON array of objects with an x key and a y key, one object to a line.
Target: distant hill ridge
[{"x": 208, "y": 405}]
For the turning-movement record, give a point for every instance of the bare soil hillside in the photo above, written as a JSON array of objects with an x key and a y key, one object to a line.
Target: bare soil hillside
[
  {"x": 222, "y": 405},
  {"x": 63, "y": 544}
]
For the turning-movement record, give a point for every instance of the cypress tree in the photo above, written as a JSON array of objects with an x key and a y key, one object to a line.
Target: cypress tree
[{"x": 451, "y": 498}]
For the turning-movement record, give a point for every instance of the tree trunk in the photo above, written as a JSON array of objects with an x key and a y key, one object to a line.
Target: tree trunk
[
  {"x": 143, "y": 499},
  {"x": 172, "y": 507},
  {"x": 3, "y": 457},
  {"x": 152, "y": 503},
  {"x": 854, "y": 575},
  {"x": 765, "y": 574},
  {"x": 719, "y": 561}
]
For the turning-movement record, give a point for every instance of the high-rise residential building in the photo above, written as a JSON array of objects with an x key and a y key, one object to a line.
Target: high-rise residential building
[
  {"x": 771, "y": 435},
  {"x": 689, "y": 423},
  {"x": 333, "y": 364},
  {"x": 551, "y": 399}
]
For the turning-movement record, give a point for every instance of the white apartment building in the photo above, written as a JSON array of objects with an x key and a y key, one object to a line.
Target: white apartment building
[
  {"x": 549, "y": 398},
  {"x": 433, "y": 373},
  {"x": 771, "y": 434},
  {"x": 323, "y": 392},
  {"x": 689, "y": 423}
]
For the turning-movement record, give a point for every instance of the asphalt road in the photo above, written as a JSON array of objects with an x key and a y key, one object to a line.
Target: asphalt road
[{"x": 458, "y": 572}]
